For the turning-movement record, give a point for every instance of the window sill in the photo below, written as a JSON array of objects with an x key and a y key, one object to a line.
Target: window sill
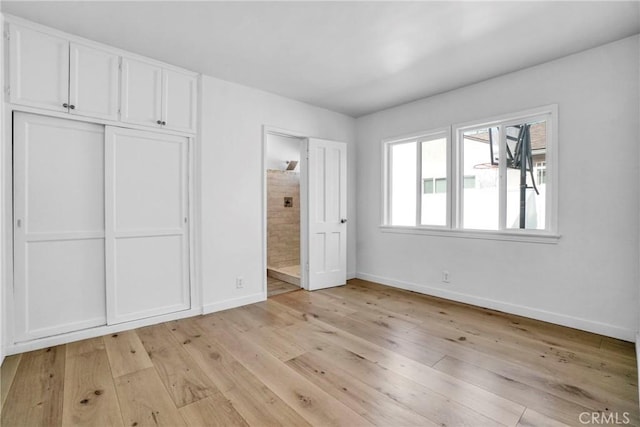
[{"x": 530, "y": 237}]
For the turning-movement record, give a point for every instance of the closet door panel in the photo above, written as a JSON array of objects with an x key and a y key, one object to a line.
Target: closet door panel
[
  {"x": 148, "y": 275},
  {"x": 149, "y": 183},
  {"x": 147, "y": 230},
  {"x": 65, "y": 286},
  {"x": 60, "y": 156},
  {"x": 93, "y": 87},
  {"x": 59, "y": 226},
  {"x": 39, "y": 69}
]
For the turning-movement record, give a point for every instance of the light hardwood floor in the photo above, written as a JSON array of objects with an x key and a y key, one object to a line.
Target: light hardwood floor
[
  {"x": 362, "y": 354},
  {"x": 277, "y": 287}
]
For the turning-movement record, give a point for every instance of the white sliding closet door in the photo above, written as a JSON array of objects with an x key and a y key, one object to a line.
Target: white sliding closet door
[
  {"x": 58, "y": 225},
  {"x": 146, "y": 224}
]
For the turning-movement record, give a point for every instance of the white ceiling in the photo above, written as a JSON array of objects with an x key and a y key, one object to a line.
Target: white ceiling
[{"x": 351, "y": 57}]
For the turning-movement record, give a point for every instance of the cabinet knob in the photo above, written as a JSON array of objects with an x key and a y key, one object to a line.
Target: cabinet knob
[
  {"x": 72, "y": 107},
  {"x": 343, "y": 220},
  {"x": 65, "y": 105},
  {"x": 159, "y": 122},
  {"x": 164, "y": 123}
]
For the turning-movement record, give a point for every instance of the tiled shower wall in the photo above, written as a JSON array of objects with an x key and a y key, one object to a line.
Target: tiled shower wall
[{"x": 283, "y": 223}]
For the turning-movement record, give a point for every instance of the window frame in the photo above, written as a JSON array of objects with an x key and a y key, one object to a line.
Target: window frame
[
  {"x": 455, "y": 179},
  {"x": 418, "y": 138}
]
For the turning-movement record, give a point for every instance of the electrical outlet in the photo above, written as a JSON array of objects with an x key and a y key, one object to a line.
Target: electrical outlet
[
  {"x": 445, "y": 276},
  {"x": 239, "y": 282}
]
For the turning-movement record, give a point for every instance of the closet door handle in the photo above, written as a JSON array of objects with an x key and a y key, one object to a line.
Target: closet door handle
[
  {"x": 72, "y": 107},
  {"x": 65, "y": 105},
  {"x": 164, "y": 123},
  {"x": 343, "y": 220},
  {"x": 159, "y": 122}
]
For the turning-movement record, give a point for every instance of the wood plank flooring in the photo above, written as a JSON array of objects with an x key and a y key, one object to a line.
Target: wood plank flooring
[
  {"x": 277, "y": 287},
  {"x": 363, "y": 354}
]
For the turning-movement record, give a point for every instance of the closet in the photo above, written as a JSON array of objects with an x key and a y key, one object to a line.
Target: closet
[
  {"x": 101, "y": 216},
  {"x": 101, "y": 212}
]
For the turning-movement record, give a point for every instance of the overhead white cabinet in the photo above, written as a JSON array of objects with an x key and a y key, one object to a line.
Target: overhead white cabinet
[
  {"x": 141, "y": 93},
  {"x": 39, "y": 69},
  {"x": 50, "y": 72},
  {"x": 59, "y": 256},
  {"x": 146, "y": 224},
  {"x": 93, "y": 77},
  {"x": 158, "y": 97},
  {"x": 179, "y": 101}
]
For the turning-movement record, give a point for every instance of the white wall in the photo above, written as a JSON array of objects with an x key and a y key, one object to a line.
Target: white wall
[
  {"x": 590, "y": 278},
  {"x": 231, "y": 165}
]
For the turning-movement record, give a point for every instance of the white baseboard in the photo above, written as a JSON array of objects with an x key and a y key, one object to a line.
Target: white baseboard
[
  {"x": 351, "y": 275},
  {"x": 233, "y": 303},
  {"x": 521, "y": 310}
]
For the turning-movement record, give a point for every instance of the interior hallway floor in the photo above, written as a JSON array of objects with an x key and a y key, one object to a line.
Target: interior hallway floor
[{"x": 360, "y": 354}]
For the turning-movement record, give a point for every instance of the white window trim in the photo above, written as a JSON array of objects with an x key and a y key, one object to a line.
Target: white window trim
[{"x": 454, "y": 203}]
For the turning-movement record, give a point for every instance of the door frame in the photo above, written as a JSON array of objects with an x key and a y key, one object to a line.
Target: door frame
[{"x": 304, "y": 223}]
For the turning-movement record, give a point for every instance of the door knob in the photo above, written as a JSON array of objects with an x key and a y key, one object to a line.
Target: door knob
[
  {"x": 65, "y": 105},
  {"x": 343, "y": 220}
]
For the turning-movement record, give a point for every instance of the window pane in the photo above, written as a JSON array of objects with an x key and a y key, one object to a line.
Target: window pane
[
  {"x": 481, "y": 200},
  {"x": 470, "y": 181},
  {"x": 403, "y": 183},
  {"x": 434, "y": 170},
  {"x": 526, "y": 167},
  {"x": 427, "y": 186}
]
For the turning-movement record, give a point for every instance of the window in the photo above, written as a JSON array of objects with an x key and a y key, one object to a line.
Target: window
[
  {"x": 427, "y": 186},
  {"x": 541, "y": 172},
  {"x": 493, "y": 176},
  {"x": 421, "y": 159}
]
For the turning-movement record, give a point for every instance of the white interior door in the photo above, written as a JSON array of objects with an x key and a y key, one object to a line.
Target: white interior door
[
  {"x": 58, "y": 225},
  {"x": 93, "y": 89},
  {"x": 146, "y": 224},
  {"x": 327, "y": 213},
  {"x": 39, "y": 69}
]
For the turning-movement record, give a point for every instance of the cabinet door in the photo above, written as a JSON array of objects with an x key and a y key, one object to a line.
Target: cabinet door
[
  {"x": 179, "y": 101},
  {"x": 141, "y": 93},
  {"x": 59, "y": 241},
  {"x": 146, "y": 224},
  {"x": 39, "y": 69},
  {"x": 93, "y": 90}
]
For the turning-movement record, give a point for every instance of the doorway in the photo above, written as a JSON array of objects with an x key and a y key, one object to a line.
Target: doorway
[
  {"x": 316, "y": 243},
  {"x": 283, "y": 212}
]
